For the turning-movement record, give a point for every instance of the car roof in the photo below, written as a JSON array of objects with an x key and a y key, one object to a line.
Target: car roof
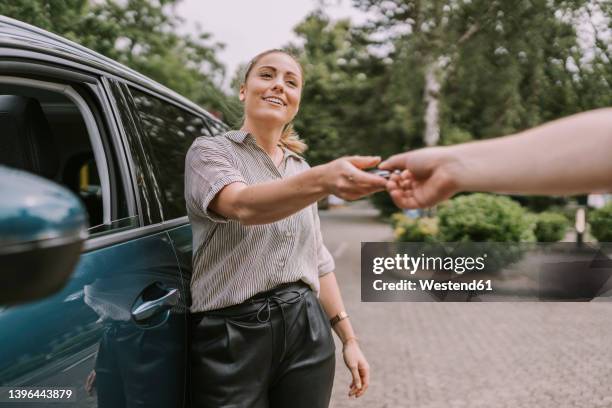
[{"x": 17, "y": 34}]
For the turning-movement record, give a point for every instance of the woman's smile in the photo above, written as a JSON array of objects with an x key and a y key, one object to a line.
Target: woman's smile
[{"x": 275, "y": 101}]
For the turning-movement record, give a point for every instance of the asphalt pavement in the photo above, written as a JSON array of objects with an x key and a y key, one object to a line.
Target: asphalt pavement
[{"x": 494, "y": 355}]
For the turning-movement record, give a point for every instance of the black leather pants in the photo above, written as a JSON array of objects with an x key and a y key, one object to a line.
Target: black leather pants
[{"x": 274, "y": 350}]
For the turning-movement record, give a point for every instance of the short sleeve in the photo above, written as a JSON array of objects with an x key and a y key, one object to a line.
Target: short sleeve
[
  {"x": 208, "y": 168},
  {"x": 325, "y": 261}
]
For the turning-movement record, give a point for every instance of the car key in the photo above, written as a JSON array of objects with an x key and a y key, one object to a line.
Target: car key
[{"x": 382, "y": 173}]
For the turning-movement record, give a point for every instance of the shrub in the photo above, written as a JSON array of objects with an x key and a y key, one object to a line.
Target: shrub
[
  {"x": 407, "y": 229},
  {"x": 601, "y": 223},
  {"x": 484, "y": 218},
  {"x": 487, "y": 219},
  {"x": 397, "y": 218},
  {"x": 550, "y": 226}
]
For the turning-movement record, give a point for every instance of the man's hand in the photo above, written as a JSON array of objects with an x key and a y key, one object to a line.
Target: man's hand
[{"x": 428, "y": 176}]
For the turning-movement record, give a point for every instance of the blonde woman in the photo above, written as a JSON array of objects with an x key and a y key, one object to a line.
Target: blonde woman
[{"x": 264, "y": 293}]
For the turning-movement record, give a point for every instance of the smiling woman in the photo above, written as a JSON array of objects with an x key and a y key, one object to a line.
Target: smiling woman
[
  {"x": 259, "y": 263},
  {"x": 274, "y": 66}
]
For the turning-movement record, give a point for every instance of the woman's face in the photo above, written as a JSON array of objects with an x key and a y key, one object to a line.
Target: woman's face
[{"x": 273, "y": 89}]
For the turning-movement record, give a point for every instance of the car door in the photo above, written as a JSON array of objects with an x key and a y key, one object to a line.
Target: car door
[
  {"x": 181, "y": 236},
  {"x": 114, "y": 336},
  {"x": 168, "y": 129}
]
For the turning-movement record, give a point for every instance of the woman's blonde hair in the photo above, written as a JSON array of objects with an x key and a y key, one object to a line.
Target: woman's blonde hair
[{"x": 289, "y": 138}]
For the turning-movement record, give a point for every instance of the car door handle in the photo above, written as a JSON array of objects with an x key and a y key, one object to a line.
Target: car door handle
[{"x": 152, "y": 307}]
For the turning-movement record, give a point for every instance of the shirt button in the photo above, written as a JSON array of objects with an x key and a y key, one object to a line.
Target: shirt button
[{"x": 288, "y": 234}]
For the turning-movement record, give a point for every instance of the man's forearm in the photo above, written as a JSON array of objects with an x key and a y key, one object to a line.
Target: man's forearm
[{"x": 568, "y": 156}]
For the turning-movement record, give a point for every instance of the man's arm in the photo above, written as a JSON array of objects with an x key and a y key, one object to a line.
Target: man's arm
[
  {"x": 567, "y": 156},
  {"x": 572, "y": 155}
]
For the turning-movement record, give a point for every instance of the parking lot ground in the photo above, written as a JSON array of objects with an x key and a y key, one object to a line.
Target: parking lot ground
[{"x": 494, "y": 355}]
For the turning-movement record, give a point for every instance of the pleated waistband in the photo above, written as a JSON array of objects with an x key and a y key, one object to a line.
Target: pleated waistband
[{"x": 284, "y": 293}]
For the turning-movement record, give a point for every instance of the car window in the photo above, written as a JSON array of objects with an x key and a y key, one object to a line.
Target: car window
[
  {"x": 45, "y": 132},
  {"x": 216, "y": 126},
  {"x": 169, "y": 131}
]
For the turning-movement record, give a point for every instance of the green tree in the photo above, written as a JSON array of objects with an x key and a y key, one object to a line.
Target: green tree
[
  {"x": 475, "y": 69},
  {"x": 61, "y": 17},
  {"x": 485, "y": 68},
  {"x": 343, "y": 109}
]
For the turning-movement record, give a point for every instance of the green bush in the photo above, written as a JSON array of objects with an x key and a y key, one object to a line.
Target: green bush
[
  {"x": 396, "y": 218},
  {"x": 407, "y": 229},
  {"x": 484, "y": 218},
  {"x": 601, "y": 223},
  {"x": 550, "y": 226}
]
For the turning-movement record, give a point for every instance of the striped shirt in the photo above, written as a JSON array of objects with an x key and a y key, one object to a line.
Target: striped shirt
[{"x": 231, "y": 261}]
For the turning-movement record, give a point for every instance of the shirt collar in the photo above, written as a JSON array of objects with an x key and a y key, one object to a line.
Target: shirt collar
[
  {"x": 237, "y": 136},
  {"x": 240, "y": 136}
]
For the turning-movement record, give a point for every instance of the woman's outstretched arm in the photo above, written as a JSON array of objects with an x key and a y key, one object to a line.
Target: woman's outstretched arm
[{"x": 272, "y": 201}]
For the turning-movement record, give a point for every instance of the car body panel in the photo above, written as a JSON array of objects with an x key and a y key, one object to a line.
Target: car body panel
[
  {"x": 88, "y": 325},
  {"x": 182, "y": 241}
]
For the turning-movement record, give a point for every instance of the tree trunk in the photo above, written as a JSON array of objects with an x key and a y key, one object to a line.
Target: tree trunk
[{"x": 432, "y": 102}]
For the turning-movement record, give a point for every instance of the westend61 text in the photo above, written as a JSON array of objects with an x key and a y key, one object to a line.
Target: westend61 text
[{"x": 430, "y": 284}]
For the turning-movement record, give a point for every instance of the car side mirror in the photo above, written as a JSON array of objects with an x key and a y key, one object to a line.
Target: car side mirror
[{"x": 42, "y": 229}]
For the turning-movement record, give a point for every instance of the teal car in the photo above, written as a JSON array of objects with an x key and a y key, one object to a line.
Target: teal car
[{"x": 96, "y": 152}]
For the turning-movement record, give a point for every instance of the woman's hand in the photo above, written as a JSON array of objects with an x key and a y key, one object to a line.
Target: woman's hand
[
  {"x": 344, "y": 178},
  {"x": 358, "y": 366}
]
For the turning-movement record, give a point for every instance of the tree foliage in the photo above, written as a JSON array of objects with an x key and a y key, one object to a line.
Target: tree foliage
[
  {"x": 342, "y": 110},
  {"x": 500, "y": 67},
  {"x": 503, "y": 66}
]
